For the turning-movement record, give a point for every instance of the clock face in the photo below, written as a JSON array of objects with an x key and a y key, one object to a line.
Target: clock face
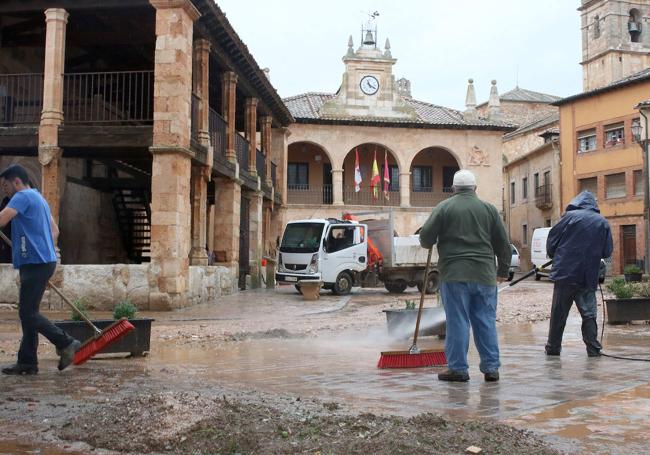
[{"x": 369, "y": 85}]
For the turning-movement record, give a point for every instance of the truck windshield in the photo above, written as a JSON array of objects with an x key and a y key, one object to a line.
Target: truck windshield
[{"x": 302, "y": 238}]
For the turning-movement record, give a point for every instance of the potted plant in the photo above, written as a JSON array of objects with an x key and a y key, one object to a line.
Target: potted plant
[
  {"x": 632, "y": 273},
  {"x": 401, "y": 321},
  {"x": 631, "y": 301},
  {"x": 137, "y": 342}
]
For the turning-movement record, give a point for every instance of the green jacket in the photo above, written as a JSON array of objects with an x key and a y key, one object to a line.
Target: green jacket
[{"x": 469, "y": 234}]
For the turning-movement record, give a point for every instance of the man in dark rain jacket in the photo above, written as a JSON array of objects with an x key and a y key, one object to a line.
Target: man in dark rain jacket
[{"x": 576, "y": 244}]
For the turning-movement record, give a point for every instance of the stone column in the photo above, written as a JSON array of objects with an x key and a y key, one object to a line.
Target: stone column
[
  {"x": 49, "y": 153},
  {"x": 337, "y": 186},
  {"x": 171, "y": 168},
  {"x": 201, "y": 88},
  {"x": 226, "y": 224},
  {"x": 405, "y": 189},
  {"x": 229, "y": 102},
  {"x": 200, "y": 177},
  {"x": 265, "y": 130},
  {"x": 279, "y": 148},
  {"x": 256, "y": 241},
  {"x": 251, "y": 133}
]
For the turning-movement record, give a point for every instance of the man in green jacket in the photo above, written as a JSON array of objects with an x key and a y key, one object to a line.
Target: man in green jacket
[{"x": 469, "y": 234}]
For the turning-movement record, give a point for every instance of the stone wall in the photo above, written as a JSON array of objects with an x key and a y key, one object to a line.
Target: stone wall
[{"x": 102, "y": 286}]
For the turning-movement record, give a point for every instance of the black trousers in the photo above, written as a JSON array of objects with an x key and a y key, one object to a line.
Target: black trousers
[
  {"x": 563, "y": 298},
  {"x": 33, "y": 280}
]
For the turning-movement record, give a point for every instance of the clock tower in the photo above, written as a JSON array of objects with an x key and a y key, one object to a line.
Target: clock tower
[{"x": 368, "y": 88}]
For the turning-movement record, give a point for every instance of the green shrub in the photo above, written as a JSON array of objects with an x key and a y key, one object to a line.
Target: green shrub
[
  {"x": 624, "y": 292},
  {"x": 631, "y": 269},
  {"x": 642, "y": 290},
  {"x": 124, "y": 309},
  {"x": 616, "y": 284},
  {"x": 410, "y": 304},
  {"x": 81, "y": 306}
]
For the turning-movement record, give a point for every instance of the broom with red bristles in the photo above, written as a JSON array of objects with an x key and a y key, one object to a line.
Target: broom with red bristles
[
  {"x": 101, "y": 339},
  {"x": 415, "y": 357}
]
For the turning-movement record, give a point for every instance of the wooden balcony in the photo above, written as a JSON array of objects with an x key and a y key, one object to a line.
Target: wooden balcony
[{"x": 543, "y": 197}]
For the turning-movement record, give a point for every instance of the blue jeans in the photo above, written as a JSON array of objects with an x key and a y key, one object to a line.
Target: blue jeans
[{"x": 473, "y": 303}]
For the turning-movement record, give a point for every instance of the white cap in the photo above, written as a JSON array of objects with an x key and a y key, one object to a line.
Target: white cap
[{"x": 464, "y": 178}]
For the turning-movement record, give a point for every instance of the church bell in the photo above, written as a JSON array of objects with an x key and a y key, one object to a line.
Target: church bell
[{"x": 369, "y": 40}]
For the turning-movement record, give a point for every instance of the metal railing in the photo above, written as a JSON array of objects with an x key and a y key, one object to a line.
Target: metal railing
[
  {"x": 241, "y": 147},
  {"x": 195, "y": 116},
  {"x": 217, "y": 127},
  {"x": 112, "y": 97},
  {"x": 304, "y": 194},
  {"x": 543, "y": 196},
  {"x": 21, "y": 99},
  {"x": 424, "y": 196},
  {"x": 366, "y": 197},
  {"x": 274, "y": 174},
  {"x": 260, "y": 164}
]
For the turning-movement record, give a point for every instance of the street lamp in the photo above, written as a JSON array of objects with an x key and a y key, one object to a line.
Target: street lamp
[{"x": 640, "y": 134}]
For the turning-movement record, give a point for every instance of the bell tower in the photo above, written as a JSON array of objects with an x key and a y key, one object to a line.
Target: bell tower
[{"x": 615, "y": 40}]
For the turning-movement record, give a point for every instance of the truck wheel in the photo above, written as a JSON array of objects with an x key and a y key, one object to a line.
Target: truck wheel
[
  {"x": 433, "y": 283},
  {"x": 395, "y": 287},
  {"x": 343, "y": 284}
]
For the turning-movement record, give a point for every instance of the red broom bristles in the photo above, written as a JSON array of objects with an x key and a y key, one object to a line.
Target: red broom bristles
[
  {"x": 404, "y": 359},
  {"x": 109, "y": 335}
]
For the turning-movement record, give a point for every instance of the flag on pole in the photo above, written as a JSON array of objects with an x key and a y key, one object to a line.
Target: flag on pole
[
  {"x": 375, "y": 182},
  {"x": 386, "y": 175},
  {"x": 357, "y": 173}
]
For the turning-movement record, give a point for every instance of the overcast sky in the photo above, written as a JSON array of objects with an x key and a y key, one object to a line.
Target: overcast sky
[{"x": 438, "y": 44}]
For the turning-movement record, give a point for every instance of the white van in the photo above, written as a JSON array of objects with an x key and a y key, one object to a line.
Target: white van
[{"x": 538, "y": 254}]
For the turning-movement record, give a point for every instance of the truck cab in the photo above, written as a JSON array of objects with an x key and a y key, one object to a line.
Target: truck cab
[{"x": 328, "y": 250}]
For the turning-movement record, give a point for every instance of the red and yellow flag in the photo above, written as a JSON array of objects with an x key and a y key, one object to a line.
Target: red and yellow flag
[{"x": 375, "y": 181}]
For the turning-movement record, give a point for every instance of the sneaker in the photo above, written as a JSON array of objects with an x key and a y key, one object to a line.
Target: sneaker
[
  {"x": 453, "y": 376},
  {"x": 551, "y": 352},
  {"x": 593, "y": 354},
  {"x": 20, "y": 369},
  {"x": 491, "y": 376},
  {"x": 67, "y": 354}
]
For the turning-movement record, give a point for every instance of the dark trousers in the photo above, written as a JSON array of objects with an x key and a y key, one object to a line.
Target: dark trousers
[
  {"x": 33, "y": 280},
  {"x": 563, "y": 298}
]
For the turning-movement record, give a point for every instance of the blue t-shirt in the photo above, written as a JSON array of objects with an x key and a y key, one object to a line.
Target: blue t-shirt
[{"x": 31, "y": 232}]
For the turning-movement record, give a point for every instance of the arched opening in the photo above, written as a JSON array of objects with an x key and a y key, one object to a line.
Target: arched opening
[
  {"x": 361, "y": 190},
  {"x": 432, "y": 174},
  {"x": 596, "y": 30},
  {"x": 634, "y": 25},
  {"x": 309, "y": 174}
]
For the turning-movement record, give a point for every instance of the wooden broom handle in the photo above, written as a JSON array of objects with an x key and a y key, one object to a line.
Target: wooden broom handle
[
  {"x": 65, "y": 299},
  {"x": 422, "y": 294}
]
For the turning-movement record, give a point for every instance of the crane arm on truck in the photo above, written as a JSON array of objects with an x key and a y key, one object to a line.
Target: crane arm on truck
[{"x": 375, "y": 258}]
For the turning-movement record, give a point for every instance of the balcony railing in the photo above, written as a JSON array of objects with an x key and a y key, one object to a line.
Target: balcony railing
[
  {"x": 366, "y": 197},
  {"x": 241, "y": 147},
  {"x": 217, "y": 126},
  {"x": 543, "y": 197},
  {"x": 121, "y": 97},
  {"x": 424, "y": 196},
  {"x": 274, "y": 173},
  {"x": 21, "y": 99},
  {"x": 260, "y": 165},
  {"x": 304, "y": 194}
]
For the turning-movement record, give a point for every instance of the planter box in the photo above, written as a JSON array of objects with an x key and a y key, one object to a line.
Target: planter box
[
  {"x": 136, "y": 342},
  {"x": 625, "y": 310},
  {"x": 401, "y": 323},
  {"x": 310, "y": 289},
  {"x": 633, "y": 277}
]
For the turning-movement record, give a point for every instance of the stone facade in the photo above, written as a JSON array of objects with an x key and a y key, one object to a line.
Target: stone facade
[{"x": 520, "y": 113}]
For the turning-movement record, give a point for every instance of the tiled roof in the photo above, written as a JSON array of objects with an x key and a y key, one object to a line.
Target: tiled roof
[
  {"x": 306, "y": 108},
  {"x": 521, "y": 94},
  {"x": 534, "y": 125},
  {"x": 629, "y": 80}
]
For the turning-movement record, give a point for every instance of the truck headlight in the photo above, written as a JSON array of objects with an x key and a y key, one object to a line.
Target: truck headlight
[{"x": 313, "y": 265}]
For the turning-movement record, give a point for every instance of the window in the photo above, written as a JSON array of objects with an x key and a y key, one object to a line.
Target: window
[
  {"x": 342, "y": 237},
  {"x": 590, "y": 184},
  {"x": 614, "y": 135},
  {"x": 636, "y": 123},
  {"x": 547, "y": 223},
  {"x": 298, "y": 176},
  {"x": 422, "y": 179},
  {"x": 638, "y": 183},
  {"x": 615, "y": 185},
  {"x": 512, "y": 192},
  {"x": 536, "y": 181},
  {"x": 524, "y": 234},
  {"x": 393, "y": 175},
  {"x": 586, "y": 140},
  {"x": 524, "y": 188},
  {"x": 596, "y": 26},
  {"x": 634, "y": 25},
  {"x": 448, "y": 178}
]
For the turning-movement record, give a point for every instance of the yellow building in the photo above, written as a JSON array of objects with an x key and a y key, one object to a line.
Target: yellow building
[{"x": 599, "y": 154}]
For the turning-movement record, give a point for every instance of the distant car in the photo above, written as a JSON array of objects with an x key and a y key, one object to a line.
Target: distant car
[{"x": 514, "y": 262}]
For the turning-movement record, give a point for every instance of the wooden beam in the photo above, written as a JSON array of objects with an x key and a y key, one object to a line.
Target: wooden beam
[
  {"x": 79, "y": 136},
  {"x": 22, "y": 6}
]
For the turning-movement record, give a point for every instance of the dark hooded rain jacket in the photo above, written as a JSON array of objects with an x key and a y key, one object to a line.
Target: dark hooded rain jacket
[{"x": 578, "y": 242}]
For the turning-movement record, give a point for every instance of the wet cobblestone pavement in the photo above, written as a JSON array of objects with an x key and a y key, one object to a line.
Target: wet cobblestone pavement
[{"x": 277, "y": 344}]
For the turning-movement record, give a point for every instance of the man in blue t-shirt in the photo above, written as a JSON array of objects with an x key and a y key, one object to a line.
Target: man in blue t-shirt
[{"x": 33, "y": 235}]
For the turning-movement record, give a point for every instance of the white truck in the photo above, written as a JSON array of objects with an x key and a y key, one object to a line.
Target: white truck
[{"x": 346, "y": 253}]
